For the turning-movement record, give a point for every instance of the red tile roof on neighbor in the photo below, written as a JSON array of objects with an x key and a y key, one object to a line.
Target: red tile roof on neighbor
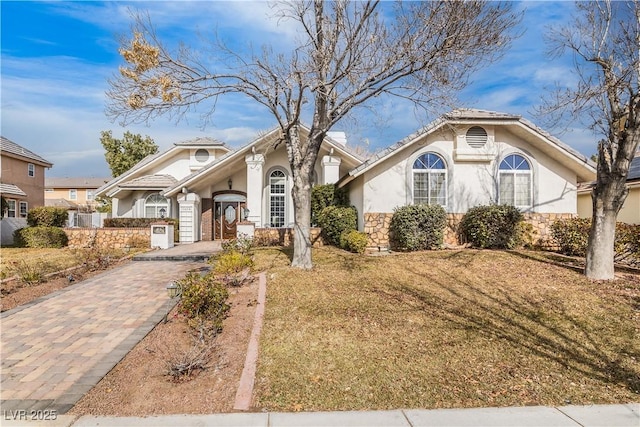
[
  {"x": 78, "y": 182},
  {"x": 8, "y": 147}
]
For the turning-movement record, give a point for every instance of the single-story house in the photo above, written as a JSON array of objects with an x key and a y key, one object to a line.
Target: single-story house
[
  {"x": 630, "y": 212},
  {"x": 463, "y": 159}
]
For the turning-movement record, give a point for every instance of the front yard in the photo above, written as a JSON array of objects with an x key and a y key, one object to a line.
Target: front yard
[{"x": 443, "y": 329}]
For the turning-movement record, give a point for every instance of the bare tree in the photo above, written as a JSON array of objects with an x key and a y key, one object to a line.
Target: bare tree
[
  {"x": 604, "y": 39},
  {"x": 346, "y": 54}
]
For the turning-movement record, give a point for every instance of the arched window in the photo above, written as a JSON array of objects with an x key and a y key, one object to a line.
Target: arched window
[
  {"x": 277, "y": 198},
  {"x": 156, "y": 206},
  {"x": 515, "y": 181},
  {"x": 430, "y": 180}
]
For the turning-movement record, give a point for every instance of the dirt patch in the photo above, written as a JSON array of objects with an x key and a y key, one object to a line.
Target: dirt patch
[{"x": 139, "y": 386}]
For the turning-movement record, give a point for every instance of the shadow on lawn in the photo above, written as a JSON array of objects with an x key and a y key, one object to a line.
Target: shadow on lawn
[{"x": 524, "y": 322}]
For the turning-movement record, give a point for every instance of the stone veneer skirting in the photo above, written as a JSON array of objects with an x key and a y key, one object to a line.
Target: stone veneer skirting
[
  {"x": 117, "y": 238},
  {"x": 376, "y": 225},
  {"x": 283, "y": 237}
]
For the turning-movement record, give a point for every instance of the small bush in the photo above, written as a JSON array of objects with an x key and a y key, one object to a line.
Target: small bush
[
  {"x": 29, "y": 272},
  {"x": 40, "y": 237},
  {"x": 242, "y": 245},
  {"x": 627, "y": 244},
  {"x": 418, "y": 227},
  {"x": 493, "y": 226},
  {"x": 234, "y": 267},
  {"x": 47, "y": 216},
  {"x": 326, "y": 195},
  {"x": 203, "y": 302},
  {"x": 335, "y": 220},
  {"x": 354, "y": 241},
  {"x": 571, "y": 235}
]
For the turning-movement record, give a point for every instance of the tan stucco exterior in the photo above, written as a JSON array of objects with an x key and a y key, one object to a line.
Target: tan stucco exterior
[
  {"x": 630, "y": 212},
  {"x": 15, "y": 171}
]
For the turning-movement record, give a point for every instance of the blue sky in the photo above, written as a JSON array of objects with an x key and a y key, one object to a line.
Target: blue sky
[{"x": 57, "y": 57}]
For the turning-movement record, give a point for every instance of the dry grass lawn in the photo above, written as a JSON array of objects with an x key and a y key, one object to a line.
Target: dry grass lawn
[
  {"x": 48, "y": 260},
  {"x": 443, "y": 329}
]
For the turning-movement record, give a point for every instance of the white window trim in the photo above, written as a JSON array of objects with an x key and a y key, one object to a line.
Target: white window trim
[
  {"x": 156, "y": 205},
  {"x": 31, "y": 170},
  {"x": 73, "y": 194},
  {"x": 448, "y": 164},
  {"x": 284, "y": 195},
  {"x": 9, "y": 210},
  {"x": 515, "y": 173}
]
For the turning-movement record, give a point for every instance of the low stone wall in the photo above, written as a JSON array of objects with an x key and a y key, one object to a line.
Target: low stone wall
[
  {"x": 376, "y": 225},
  {"x": 117, "y": 238},
  {"x": 283, "y": 237}
]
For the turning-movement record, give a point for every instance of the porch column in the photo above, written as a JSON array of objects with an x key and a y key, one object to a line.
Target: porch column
[
  {"x": 189, "y": 215},
  {"x": 255, "y": 184},
  {"x": 330, "y": 169}
]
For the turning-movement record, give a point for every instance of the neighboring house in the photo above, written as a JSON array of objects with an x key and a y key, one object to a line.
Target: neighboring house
[
  {"x": 21, "y": 178},
  {"x": 630, "y": 212},
  {"x": 463, "y": 159},
  {"x": 73, "y": 193}
]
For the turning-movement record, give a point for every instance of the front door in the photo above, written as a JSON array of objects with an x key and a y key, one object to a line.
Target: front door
[{"x": 226, "y": 221}]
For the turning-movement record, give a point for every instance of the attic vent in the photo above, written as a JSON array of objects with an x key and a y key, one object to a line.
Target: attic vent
[
  {"x": 476, "y": 137},
  {"x": 202, "y": 155}
]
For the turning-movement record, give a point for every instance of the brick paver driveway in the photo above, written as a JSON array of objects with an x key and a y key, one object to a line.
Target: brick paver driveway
[{"x": 55, "y": 350}]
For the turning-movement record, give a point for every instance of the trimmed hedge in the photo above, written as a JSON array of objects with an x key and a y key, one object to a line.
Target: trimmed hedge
[
  {"x": 136, "y": 222},
  {"x": 335, "y": 220},
  {"x": 418, "y": 227},
  {"x": 354, "y": 241},
  {"x": 492, "y": 226},
  {"x": 326, "y": 195},
  {"x": 47, "y": 216},
  {"x": 40, "y": 237}
]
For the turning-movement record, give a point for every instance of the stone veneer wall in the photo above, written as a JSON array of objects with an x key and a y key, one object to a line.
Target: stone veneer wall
[
  {"x": 117, "y": 238},
  {"x": 283, "y": 237},
  {"x": 376, "y": 225}
]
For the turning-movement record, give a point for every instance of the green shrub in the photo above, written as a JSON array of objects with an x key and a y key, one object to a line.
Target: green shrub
[
  {"x": 40, "y": 237},
  {"x": 493, "y": 226},
  {"x": 571, "y": 235},
  {"x": 354, "y": 241},
  {"x": 47, "y": 216},
  {"x": 326, "y": 195},
  {"x": 418, "y": 227},
  {"x": 203, "y": 302},
  {"x": 335, "y": 220}
]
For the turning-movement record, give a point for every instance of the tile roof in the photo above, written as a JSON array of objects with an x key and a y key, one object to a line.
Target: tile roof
[
  {"x": 202, "y": 142},
  {"x": 61, "y": 203},
  {"x": 78, "y": 182},
  {"x": 150, "y": 181},
  {"x": 634, "y": 169},
  {"x": 8, "y": 146},
  {"x": 11, "y": 190},
  {"x": 472, "y": 115}
]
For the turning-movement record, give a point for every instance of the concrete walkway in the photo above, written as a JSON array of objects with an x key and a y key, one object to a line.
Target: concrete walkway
[
  {"x": 538, "y": 416},
  {"x": 55, "y": 349}
]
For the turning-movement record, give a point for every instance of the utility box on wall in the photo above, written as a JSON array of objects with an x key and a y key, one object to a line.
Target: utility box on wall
[{"x": 162, "y": 236}]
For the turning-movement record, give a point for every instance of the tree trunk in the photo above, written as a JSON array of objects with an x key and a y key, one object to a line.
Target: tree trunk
[
  {"x": 302, "y": 160},
  {"x": 600, "y": 252}
]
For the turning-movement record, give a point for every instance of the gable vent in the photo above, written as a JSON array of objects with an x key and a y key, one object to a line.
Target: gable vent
[{"x": 476, "y": 137}]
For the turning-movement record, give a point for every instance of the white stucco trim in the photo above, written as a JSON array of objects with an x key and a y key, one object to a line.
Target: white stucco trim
[{"x": 266, "y": 199}]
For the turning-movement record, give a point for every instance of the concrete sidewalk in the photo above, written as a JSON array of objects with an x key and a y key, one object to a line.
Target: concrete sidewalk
[{"x": 588, "y": 416}]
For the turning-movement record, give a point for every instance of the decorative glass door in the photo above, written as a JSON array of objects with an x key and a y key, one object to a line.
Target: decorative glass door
[{"x": 227, "y": 215}]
